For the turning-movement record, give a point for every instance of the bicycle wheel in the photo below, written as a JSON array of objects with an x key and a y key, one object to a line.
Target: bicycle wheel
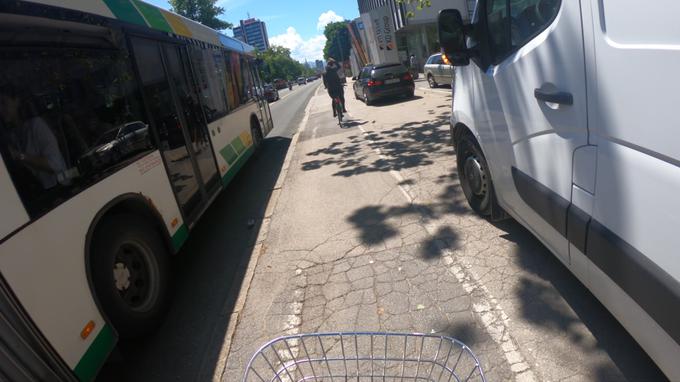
[{"x": 338, "y": 110}]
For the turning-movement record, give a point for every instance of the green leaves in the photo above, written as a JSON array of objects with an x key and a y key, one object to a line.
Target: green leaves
[
  {"x": 418, "y": 4},
  {"x": 277, "y": 63},
  {"x": 203, "y": 11},
  {"x": 338, "y": 42}
]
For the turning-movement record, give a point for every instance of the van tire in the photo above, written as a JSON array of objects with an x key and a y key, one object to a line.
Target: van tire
[
  {"x": 475, "y": 178},
  {"x": 127, "y": 249}
]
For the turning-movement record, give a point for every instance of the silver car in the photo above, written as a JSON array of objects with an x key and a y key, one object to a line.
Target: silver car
[{"x": 437, "y": 72}]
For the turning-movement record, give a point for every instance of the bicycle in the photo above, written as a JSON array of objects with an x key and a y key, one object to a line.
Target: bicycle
[
  {"x": 337, "y": 104},
  {"x": 364, "y": 356}
]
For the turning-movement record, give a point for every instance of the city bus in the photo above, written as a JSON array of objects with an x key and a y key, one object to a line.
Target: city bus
[{"x": 120, "y": 123}]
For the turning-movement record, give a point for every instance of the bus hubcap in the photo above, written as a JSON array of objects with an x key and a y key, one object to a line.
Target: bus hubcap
[
  {"x": 133, "y": 274},
  {"x": 475, "y": 176}
]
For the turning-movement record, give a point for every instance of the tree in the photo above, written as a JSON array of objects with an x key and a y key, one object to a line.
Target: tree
[
  {"x": 277, "y": 63},
  {"x": 338, "y": 42},
  {"x": 420, "y": 4},
  {"x": 203, "y": 11}
]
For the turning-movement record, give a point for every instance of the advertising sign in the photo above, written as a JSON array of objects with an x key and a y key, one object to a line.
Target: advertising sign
[{"x": 381, "y": 32}]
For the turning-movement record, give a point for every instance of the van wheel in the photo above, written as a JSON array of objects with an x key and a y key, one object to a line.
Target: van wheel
[
  {"x": 430, "y": 81},
  {"x": 131, "y": 275},
  {"x": 475, "y": 178}
]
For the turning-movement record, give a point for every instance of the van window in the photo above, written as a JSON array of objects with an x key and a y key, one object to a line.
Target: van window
[
  {"x": 513, "y": 23},
  {"x": 654, "y": 24}
]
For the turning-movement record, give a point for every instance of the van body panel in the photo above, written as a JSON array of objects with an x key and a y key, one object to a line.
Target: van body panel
[
  {"x": 597, "y": 180},
  {"x": 521, "y": 131}
]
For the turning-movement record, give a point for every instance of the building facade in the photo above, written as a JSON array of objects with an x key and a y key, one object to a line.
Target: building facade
[
  {"x": 394, "y": 30},
  {"x": 253, "y": 32},
  {"x": 319, "y": 66}
]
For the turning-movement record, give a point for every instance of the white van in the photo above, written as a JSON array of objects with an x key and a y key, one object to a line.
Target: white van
[{"x": 566, "y": 116}]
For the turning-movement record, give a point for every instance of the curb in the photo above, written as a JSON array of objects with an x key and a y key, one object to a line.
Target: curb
[{"x": 239, "y": 290}]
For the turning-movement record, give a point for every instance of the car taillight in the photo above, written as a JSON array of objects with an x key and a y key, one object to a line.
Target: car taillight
[
  {"x": 374, "y": 83},
  {"x": 408, "y": 77}
]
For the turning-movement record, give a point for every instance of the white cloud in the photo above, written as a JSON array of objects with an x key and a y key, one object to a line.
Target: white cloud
[
  {"x": 301, "y": 49},
  {"x": 327, "y": 18}
]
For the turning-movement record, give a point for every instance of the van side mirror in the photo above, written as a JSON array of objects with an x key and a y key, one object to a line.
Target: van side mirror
[{"x": 452, "y": 38}]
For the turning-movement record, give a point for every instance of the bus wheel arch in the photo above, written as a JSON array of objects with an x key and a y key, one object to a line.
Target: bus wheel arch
[
  {"x": 129, "y": 226},
  {"x": 256, "y": 131}
]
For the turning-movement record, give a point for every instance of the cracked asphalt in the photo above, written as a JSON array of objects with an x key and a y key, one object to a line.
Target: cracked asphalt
[{"x": 370, "y": 232}]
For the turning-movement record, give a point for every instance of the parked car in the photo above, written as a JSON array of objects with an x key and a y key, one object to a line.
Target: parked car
[
  {"x": 301, "y": 81},
  {"x": 280, "y": 84},
  {"x": 115, "y": 144},
  {"x": 579, "y": 147},
  {"x": 437, "y": 72},
  {"x": 384, "y": 80},
  {"x": 310, "y": 79},
  {"x": 270, "y": 93}
]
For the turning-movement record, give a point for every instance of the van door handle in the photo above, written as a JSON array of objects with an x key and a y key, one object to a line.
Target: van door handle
[{"x": 563, "y": 98}]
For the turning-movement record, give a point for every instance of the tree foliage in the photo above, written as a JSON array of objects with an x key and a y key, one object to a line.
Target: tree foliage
[
  {"x": 420, "y": 4},
  {"x": 338, "y": 42},
  {"x": 277, "y": 63},
  {"x": 203, "y": 11}
]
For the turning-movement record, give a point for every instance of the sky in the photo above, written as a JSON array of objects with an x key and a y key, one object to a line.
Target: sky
[{"x": 294, "y": 24}]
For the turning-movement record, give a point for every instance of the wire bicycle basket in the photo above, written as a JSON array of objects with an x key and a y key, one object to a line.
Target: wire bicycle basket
[{"x": 364, "y": 356}]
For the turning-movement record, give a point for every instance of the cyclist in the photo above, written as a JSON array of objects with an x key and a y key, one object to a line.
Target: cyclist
[{"x": 333, "y": 83}]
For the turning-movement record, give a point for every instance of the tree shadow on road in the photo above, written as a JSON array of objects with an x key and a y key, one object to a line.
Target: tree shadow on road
[
  {"x": 411, "y": 146},
  {"x": 417, "y": 144},
  {"x": 541, "y": 293},
  {"x": 394, "y": 100}
]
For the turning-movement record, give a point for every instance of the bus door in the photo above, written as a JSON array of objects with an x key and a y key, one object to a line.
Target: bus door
[
  {"x": 177, "y": 118},
  {"x": 262, "y": 101}
]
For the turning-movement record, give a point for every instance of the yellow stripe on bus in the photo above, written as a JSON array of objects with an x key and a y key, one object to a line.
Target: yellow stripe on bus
[{"x": 177, "y": 24}]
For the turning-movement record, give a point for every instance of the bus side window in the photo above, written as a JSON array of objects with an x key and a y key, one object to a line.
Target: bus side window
[
  {"x": 64, "y": 118},
  {"x": 208, "y": 66},
  {"x": 231, "y": 84},
  {"x": 248, "y": 82}
]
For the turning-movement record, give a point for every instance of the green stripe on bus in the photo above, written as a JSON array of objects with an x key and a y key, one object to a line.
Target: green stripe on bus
[
  {"x": 124, "y": 10},
  {"x": 228, "y": 154},
  {"x": 238, "y": 145},
  {"x": 180, "y": 237},
  {"x": 153, "y": 16},
  {"x": 96, "y": 355},
  {"x": 233, "y": 170}
]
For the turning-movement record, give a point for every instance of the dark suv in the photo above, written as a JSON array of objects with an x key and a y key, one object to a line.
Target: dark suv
[{"x": 384, "y": 80}]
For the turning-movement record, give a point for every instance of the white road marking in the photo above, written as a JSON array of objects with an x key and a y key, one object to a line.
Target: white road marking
[{"x": 486, "y": 307}]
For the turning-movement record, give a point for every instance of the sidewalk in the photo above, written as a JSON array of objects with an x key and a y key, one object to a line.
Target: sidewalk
[
  {"x": 371, "y": 232},
  {"x": 347, "y": 249}
]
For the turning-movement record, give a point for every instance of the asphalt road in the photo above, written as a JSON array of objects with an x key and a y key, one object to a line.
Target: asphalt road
[{"x": 209, "y": 267}]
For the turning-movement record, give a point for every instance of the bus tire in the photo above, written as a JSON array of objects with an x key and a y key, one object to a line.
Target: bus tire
[
  {"x": 131, "y": 273},
  {"x": 475, "y": 177},
  {"x": 256, "y": 133}
]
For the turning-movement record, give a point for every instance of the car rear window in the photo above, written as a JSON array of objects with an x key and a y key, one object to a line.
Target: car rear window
[{"x": 380, "y": 71}]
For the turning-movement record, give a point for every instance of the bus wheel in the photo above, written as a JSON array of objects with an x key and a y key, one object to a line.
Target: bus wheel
[
  {"x": 475, "y": 178},
  {"x": 256, "y": 132},
  {"x": 130, "y": 273}
]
